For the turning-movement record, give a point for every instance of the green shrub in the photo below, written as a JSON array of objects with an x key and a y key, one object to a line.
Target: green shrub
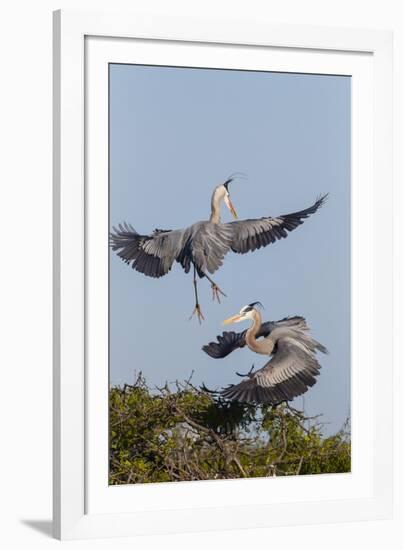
[{"x": 192, "y": 434}]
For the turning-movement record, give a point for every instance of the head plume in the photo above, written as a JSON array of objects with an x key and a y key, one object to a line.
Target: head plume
[
  {"x": 253, "y": 304},
  {"x": 233, "y": 176}
]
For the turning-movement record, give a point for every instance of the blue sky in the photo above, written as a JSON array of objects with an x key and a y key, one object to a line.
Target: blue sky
[{"x": 174, "y": 135}]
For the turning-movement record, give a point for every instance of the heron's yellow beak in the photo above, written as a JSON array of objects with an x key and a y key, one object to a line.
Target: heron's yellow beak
[
  {"x": 233, "y": 319},
  {"x": 231, "y": 207}
]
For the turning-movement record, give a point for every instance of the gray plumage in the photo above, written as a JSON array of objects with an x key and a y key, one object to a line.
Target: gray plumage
[
  {"x": 203, "y": 244},
  {"x": 249, "y": 235},
  {"x": 293, "y": 366}
]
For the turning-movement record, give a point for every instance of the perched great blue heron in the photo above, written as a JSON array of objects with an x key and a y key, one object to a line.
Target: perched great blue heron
[
  {"x": 203, "y": 244},
  {"x": 292, "y": 367}
]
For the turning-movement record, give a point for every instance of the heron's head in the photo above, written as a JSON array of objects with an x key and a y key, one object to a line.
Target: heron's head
[
  {"x": 222, "y": 192},
  {"x": 247, "y": 312}
]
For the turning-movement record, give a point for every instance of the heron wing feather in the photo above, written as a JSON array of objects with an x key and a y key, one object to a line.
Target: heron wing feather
[
  {"x": 153, "y": 254},
  {"x": 249, "y": 235},
  {"x": 289, "y": 373},
  {"x": 203, "y": 243}
]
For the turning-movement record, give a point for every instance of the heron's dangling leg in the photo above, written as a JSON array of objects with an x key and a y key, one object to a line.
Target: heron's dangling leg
[
  {"x": 216, "y": 289},
  {"x": 197, "y": 310}
]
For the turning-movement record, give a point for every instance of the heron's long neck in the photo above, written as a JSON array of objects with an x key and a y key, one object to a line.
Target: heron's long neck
[
  {"x": 250, "y": 337},
  {"x": 215, "y": 208}
]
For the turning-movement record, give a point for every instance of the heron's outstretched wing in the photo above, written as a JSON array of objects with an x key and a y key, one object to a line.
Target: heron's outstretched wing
[
  {"x": 290, "y": 372},
  {"x": 202, "y": 243},
  {"x": 230, "y": 341},
  {"x": 248, "y": 235},
  {"x": 153, "y": 254}
]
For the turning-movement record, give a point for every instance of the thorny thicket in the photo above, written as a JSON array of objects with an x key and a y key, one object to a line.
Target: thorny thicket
[{"x": 192, "y": 434}]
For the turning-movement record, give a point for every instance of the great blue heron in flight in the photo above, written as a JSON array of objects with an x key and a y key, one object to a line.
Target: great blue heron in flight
[
  {"x": 203, "y": 244},
  {"x": 290, "y": 371}
]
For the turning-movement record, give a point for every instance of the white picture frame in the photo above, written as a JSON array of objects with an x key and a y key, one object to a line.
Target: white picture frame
[{"x": 84, "y": 505}]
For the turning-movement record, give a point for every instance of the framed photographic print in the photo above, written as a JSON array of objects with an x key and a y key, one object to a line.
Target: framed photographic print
[{"x": 222, "y": 274}]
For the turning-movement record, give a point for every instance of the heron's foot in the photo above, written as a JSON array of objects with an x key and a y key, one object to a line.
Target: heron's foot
[
  {"x": 197, "y": 311},
  {"x": 216, "y": 292}
]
